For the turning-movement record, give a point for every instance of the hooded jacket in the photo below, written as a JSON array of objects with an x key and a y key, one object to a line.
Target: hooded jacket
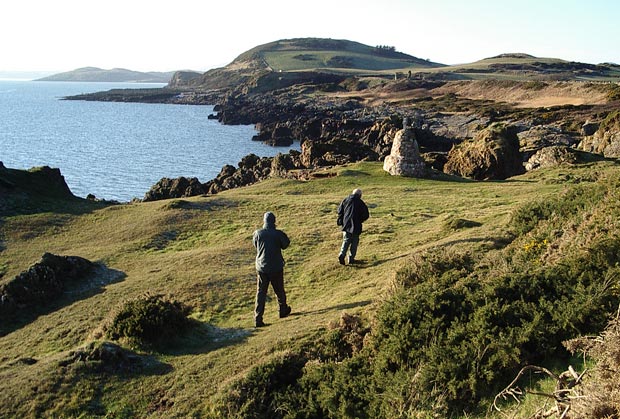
[
  {"x": 354, "y": 212},
  {"x": 269, "y": 242}
]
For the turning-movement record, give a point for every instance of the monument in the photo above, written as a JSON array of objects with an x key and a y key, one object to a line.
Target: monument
[{"x": 404, "y": 158}]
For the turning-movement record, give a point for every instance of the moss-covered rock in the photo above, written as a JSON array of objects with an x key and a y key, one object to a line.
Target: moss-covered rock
[{"x": 492, "y": 154}]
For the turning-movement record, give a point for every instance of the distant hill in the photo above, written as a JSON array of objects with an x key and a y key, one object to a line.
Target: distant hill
[
  {"x": 116, "y": 75},
  {"x": 282, "y": 63},
  {"x": 524, "y": 66},
  {"x": 306, "y": 55},
  {"x": 334, "y": 54}
]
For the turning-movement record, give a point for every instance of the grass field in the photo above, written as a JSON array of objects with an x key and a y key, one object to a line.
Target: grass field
[{"x": 198, "y": 251}]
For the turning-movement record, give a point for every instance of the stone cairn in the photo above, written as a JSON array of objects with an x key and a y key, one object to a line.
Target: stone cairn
[{"x": 405, "y": 159}]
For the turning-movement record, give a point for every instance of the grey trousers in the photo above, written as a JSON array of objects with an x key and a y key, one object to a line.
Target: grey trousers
[
  {"x": 262, "y": 284},
  {"x": 350, "y": 243}
]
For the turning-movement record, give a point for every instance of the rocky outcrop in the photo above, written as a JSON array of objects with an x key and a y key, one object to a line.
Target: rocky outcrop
[
  {"x": 405, "y": 159},
  {"x": 551, "y": 156},
  {"x": 53, "y": 178},
  {"x": 535, "y": 138},
  {"x": 251, "y": 170},
  {"x": 180, "y": 187},
  {"x": 43, "y": 282},
  {"x": 606, "y": 139},
  {"x": 456, "y": 126},
  {"x": 337, "y": 151},
  {"x": 492, "y": 154},
  {"x": 183, "y": 79}
]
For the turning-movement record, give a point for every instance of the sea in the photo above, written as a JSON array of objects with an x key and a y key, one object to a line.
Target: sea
[{"x": 112, "y": 150}]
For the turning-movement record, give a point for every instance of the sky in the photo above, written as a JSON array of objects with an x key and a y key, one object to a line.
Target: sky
[{"x": 156, "y": 35}]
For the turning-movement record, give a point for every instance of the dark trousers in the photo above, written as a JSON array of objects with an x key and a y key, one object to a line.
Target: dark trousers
[
  {"x": 262, "y": 284},
  {"x": 349, "y": 242}
]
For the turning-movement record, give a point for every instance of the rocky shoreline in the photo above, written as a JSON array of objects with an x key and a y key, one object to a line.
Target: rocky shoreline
[{"x": 338, "y": 120}]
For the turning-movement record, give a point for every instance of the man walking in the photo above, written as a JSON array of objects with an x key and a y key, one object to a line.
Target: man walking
[
  {"x": 352, "y": 212},
  {"x": 269, "y": 243}
]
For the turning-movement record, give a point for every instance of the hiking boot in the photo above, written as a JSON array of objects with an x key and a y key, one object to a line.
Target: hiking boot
[
  {"x": 284, "y": 313},
  {"x": 260, "y": 323},
  {"x": 352, "y": 261},
  {"x": 341, "y": 259}
]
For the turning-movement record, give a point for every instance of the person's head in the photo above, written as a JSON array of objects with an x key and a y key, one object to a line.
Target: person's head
[
  {"x": 269, "y": 218},
  {"x": 357, "y": 192}
]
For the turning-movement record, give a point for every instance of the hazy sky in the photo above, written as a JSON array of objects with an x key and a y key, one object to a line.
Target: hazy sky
[{"x": 155, "y": 35}]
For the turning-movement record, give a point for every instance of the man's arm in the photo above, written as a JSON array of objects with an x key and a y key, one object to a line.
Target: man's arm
[
  {"x": 365, "y": 213},
  {"x": 255, "y": 239},
  {"x": 284, "y": 240}
]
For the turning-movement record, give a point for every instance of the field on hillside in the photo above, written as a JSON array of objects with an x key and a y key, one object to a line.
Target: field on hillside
[
  {"x": 198, "y": 251},
  {"x": 295, "y": 61}
]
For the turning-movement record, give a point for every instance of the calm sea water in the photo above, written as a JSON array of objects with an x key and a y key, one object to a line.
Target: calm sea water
[{"x": 115, "y": 150}]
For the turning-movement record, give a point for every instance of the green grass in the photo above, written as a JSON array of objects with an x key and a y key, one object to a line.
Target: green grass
[
  {"x": 198, "y": 251},
  {"x": 296, "y": 60}
]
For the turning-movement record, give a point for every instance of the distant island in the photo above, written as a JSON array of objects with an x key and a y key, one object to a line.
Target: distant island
[{"x": 116, "y": 75}]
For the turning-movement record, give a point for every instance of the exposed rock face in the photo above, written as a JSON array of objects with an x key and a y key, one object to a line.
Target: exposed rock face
[
  {"x": 551, "y": 156},
  {"x": 42, "y": 282},
  {"x": 405, "y": 159},
  {"x": 492, "y": 154},
  {"x": 54, "y": 178},
  {"x": 455, "y": 126},
  {"x": 606, "y": 140},
  {"x": 336, "y": 151},
  {"x": 283, "y": 163},
  {"x": 251, "y": 170},
  {"x": 535, "y": 138},
  {"x": 280, "y": 136},
  {"x": 183, "y": 78},
  {"x": 180, "y": 187}
]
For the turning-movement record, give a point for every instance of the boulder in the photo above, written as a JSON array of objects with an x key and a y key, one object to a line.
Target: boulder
[
  {"x": 492, "y": 154},
  {"x": 589, "y": 128},
  {"x": 551, "y": 156}
]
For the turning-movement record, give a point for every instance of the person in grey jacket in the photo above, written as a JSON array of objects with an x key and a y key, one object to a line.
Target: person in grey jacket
[
  {"x": 352, "y": 212},
  {"x": 269, "y": 243}
]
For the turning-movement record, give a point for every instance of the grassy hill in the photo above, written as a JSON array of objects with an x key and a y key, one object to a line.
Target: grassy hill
[
  {"x": 116, "y": 75},
  {"x": 288, "y": 58},
  {"x": 525, "y": 66},
  {"x": 330, "y": 54},
  {"x": 308, "y": 55},
  {"x": 198, "y": 251}
]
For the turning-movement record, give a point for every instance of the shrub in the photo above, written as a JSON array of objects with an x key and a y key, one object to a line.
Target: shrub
[
  {"x": 437, "y": 262},
  {"x": 261, "y": 393},
  {"x": 149, "y": 319}
]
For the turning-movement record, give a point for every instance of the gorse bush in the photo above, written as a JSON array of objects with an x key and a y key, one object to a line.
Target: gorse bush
[{"x": 150, "y": 319}]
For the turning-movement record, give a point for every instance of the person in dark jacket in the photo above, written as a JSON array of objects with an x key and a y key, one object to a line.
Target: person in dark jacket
[
  {"x": 269, "y": 243},
  {"x": 352, "y": 212}
]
